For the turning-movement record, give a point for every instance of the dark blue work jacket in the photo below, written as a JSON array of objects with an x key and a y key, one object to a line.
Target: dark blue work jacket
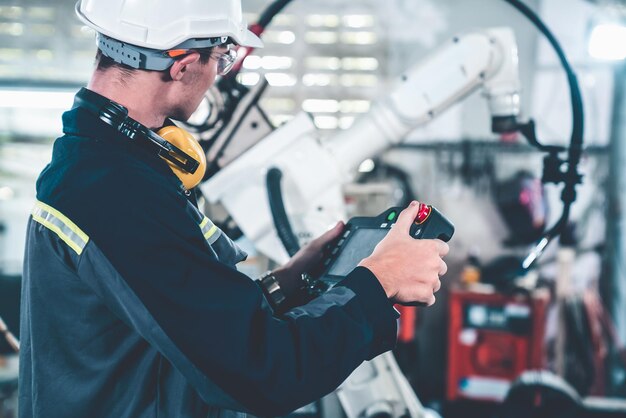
[{"x": 130, "y": 308}]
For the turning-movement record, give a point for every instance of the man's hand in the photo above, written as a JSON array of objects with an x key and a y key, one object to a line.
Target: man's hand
[
  {"x": 408, "y": 268},
  {"x": 308, "y": 260}
]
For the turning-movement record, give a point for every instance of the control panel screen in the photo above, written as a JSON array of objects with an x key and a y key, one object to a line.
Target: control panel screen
[{"x": 359, "y": 246}]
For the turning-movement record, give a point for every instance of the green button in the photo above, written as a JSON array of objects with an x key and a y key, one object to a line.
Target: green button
[{"x": 391, "y": 216}]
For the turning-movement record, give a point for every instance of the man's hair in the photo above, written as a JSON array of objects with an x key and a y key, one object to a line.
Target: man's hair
[{"x": 103, "y": 62}]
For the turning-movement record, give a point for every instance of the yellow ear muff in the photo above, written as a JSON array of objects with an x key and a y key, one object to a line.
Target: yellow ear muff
[{"x": 188, "y": 144}]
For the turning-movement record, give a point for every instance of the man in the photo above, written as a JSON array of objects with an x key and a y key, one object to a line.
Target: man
[{"x": 132, "y": 306}]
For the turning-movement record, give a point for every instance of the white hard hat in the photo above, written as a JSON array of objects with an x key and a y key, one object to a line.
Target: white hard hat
[{"x": 164, "y": 24}]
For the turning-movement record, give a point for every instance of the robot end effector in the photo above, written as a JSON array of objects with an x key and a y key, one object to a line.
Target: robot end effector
[
  {"x": 502, "y": 89},
  {"x": 487, "y": 59}
]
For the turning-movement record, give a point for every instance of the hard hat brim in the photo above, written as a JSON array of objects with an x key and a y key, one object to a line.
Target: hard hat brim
[{"x": 251, "y": 40}]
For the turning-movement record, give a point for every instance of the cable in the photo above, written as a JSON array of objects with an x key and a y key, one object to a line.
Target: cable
[
  {"x": 552, "y": 162},
  {"x": 279, "y": 214},
  {"x": 576, "y": 97}
]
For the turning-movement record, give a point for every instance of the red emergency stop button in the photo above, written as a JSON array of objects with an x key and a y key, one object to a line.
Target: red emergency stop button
[{"x": 423, "y": 214}]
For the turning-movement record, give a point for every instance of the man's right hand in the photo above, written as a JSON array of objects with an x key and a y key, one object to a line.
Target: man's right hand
[{"x": 408, "y": 269}]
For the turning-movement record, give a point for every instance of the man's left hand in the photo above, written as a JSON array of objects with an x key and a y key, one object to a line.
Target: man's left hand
[{"x": 308, "y": 260}]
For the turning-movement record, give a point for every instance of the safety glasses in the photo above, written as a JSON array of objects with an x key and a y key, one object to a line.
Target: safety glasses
[{"x": 225, "y": 60}]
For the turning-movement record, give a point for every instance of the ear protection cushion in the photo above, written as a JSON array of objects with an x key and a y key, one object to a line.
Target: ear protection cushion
[{"x": 188, "y": 144}]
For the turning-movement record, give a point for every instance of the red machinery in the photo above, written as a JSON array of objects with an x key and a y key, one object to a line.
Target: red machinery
[{"x": 492, "y": 339}]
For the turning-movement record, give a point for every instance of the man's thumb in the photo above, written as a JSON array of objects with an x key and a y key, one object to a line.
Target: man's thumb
[{"x": 407, "y": 217}]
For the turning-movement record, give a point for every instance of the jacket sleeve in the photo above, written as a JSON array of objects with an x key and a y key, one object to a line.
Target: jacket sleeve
[{"x": 214, "y": 322}]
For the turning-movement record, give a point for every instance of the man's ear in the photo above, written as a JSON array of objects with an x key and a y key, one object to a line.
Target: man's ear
[{"x": 180, "y": 66}]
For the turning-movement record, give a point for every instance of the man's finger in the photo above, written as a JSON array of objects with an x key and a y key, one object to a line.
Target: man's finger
[
  {"x": 331, "y": 234},
  {"x": 407, "y": 218},
  {"x": 443, "y": 269}
]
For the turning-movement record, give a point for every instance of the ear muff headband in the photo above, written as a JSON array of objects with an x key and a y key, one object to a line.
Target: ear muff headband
[{"x": 176, "y": 146}]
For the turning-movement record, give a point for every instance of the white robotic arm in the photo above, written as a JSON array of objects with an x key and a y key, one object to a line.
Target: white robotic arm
[{"x": 314, "y": 171}]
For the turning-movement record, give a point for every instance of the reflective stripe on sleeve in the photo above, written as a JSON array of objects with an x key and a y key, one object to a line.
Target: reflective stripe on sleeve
[
  {"x": 58, "y": 223},
  {"x": 210, "y": 231}
]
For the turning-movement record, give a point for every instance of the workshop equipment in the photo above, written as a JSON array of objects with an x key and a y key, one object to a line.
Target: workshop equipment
[{"x": 492, "y": 339}]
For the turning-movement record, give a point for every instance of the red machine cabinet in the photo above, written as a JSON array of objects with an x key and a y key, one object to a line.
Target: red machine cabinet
[{"x": 492, "y": 339}]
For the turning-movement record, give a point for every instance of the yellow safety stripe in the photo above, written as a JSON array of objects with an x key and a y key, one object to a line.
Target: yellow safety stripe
[
  {"x": 210, "y": 233},
  {"x": 209, "y": 230},
  {"x": 58, "y": 223}
]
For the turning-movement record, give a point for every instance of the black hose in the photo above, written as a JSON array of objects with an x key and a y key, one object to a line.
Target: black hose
[
  {"x": 571, "y": 177},
  {"x": 279, "y": 214},
  {"x": 575, "y": 94}
]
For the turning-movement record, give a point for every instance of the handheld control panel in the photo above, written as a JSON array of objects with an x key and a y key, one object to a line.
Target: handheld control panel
[{"x": 362, "y": 234}]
